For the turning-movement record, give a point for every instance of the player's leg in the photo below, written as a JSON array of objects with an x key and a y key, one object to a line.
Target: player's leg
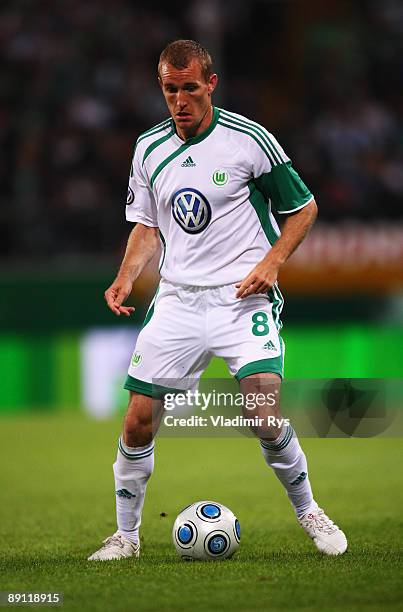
[
  {"x": 283, "y": 453},
  {"x": 132, "y": 469},
  {"x": 170, "y": 351},
  {"x": 254, "y": 352},
  {"x": 135, "y": 462},
  {"x": 279, "y": 443}
]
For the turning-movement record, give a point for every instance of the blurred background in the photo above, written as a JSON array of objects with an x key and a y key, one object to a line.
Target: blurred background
[{"x": 78, "y": 85}]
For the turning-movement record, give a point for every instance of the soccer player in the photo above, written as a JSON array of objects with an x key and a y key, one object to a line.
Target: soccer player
[{"x": 203, "y": 184}]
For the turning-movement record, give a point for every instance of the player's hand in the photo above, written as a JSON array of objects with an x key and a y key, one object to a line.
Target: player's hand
[
  {"x": 259, "y": 280},
  {"x": 116, "y": 294}
]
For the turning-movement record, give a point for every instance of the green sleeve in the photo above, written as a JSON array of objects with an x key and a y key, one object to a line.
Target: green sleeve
[{"x": 284, "y": 187}]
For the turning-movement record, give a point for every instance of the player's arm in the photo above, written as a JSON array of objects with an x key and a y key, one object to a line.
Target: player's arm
[
  {"x": 143, "y": 241},
  {"x": 280, "y": 184},
  {"x": 264, "y": 274},
  {"x": 141, "y": 247}
]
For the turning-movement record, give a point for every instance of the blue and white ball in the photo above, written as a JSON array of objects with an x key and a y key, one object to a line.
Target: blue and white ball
[{"x": 206, "y": 530}]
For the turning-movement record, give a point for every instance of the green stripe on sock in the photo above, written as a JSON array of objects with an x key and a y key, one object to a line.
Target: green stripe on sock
[
  {"x": 135, "y": 456},
  {"x": 282, "y": 444}
]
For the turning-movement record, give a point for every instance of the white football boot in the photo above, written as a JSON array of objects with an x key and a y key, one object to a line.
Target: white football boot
[
  {"x": 116, "y": 547},
  {"x": 328, "y": 538}
]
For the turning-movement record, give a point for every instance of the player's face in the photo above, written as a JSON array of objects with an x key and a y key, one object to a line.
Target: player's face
[{"x": 188, "y": 97}]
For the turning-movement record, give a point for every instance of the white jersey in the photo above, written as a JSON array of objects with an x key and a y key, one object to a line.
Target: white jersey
[{"x": 212, "y": 197}]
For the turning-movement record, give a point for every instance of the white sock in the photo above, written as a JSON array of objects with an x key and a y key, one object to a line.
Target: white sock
[
  {"x": 132, "y": 469},
  {"x": 288, "y": 461}
]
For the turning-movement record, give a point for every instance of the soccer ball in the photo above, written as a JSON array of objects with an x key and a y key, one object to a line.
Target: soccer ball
[{"x": 206, "y": 530}]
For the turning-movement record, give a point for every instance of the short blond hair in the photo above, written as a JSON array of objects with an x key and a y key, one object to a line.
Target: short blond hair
[{"x": 180, "y": 53}]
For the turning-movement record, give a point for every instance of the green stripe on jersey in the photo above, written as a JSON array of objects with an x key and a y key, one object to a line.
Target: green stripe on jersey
[
  {"x": 276, "y": 156},
  {"x": 164, "y": 250},
  {"x": 186, "y": 145},
  {"x": 261, "y": 206},
  {"x": 154, "y": 130},
  {"x": 284, "y": 187},
  {"x": 267, "y": 135},
  {"x": 248, "y": 133},
  {"x": 259, "y": 203},
  {"x": 156, "y": 144},
  {"x": 269, "y": 138},
  {"x": 151, "y": 133},
  {"x": 166, "y": 161},
  {"x": 257, "y": 130}
]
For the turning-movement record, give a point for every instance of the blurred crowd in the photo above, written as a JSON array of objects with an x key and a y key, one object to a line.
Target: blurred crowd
[{"x": 78, "y": 85}]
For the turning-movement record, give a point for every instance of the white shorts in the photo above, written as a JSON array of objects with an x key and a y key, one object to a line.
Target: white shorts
[{"x": 186, "y": 326}]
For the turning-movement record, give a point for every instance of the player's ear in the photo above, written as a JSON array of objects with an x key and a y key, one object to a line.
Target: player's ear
[
  {"x": 212, "y": 83},
  {"x": 159, "y": 81}
]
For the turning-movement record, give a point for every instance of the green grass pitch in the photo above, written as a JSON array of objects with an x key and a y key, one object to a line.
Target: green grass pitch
[{"x": 58, "y": 504}]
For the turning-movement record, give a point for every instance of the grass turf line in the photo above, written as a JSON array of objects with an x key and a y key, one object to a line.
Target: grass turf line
[{"x": 58, "y": 504}]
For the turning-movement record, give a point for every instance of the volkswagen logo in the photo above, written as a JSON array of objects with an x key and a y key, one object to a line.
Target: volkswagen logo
[{"x": 191, "y": 210}]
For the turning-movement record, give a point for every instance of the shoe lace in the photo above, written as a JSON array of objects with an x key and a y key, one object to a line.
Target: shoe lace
[
  {"x": 114, "y": 540},
  {"x": 321, "y": 522}
]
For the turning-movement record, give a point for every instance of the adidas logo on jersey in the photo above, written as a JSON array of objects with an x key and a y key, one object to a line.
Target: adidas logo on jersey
[
  {"x": 269, "y": 346},
  {"x": 188, "y": 163}
]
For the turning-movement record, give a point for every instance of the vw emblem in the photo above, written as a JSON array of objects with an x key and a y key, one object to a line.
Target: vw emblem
[{"x": 191, "y": 210}]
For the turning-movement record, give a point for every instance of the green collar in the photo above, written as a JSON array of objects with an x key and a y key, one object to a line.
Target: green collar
[{"x": 185, "y": 145}]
